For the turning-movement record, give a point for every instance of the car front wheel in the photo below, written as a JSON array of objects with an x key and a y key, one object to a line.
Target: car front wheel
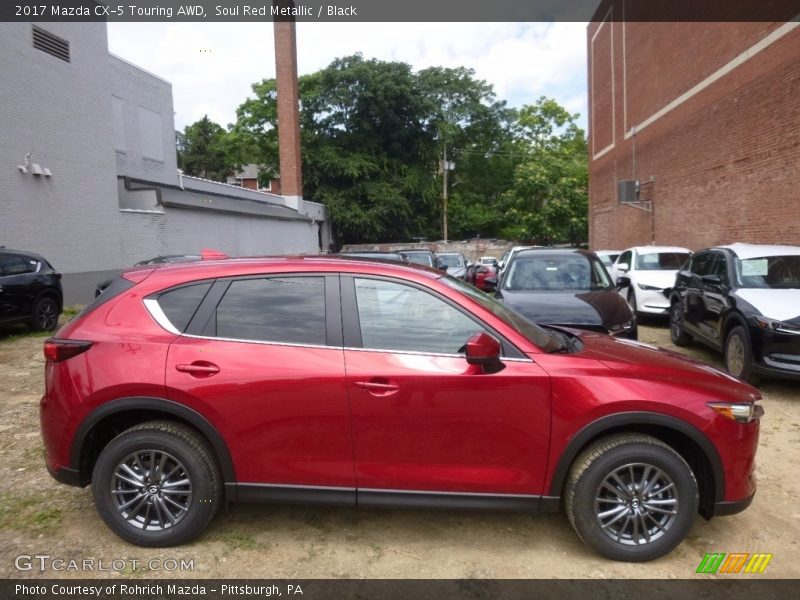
[
  {"x": 630, "y": 497},
  {"x": 739, "y": 355},
  {"x": 157, "y": 484}
]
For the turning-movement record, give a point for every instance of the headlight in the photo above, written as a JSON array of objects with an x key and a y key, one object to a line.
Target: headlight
[
  {"x": 651, "y": 288},
  {"x": 775, "y": 325},
  {"x": 741, "y": 412}
]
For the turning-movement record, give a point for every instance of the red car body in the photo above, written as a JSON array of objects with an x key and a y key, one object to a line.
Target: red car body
[{"x": 339, "y": 423}]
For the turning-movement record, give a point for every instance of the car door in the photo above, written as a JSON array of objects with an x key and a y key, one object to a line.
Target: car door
[
  {"x": 17, "y": 286},
  {"x": 715, "y": 300},
  {"x": 694, "y": 304},
  {"x": 626, "y": 258},
  {"x": 423, "y": 419},
  {"x": 262, "y": 357}
]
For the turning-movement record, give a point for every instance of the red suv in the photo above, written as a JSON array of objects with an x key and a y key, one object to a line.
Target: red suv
[{"x": 335, "y": 381}]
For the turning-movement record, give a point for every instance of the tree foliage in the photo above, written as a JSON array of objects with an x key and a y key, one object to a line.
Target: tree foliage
[
  {"x": 204, "y": 150},
  {"x": 373, "y": 134}
]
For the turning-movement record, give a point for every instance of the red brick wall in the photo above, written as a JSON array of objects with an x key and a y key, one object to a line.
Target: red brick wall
[{"x": 724, "y": 165}]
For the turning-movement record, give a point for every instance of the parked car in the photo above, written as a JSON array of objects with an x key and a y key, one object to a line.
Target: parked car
[
  {"x": 347, "y": 382},
  {"x": 742, "y": 300},
  {"x": 156, "y": 260},
  {"x": 645, "y": 275},
  {"x": 565, "y": 287},
  {"x": 485, "y": 278},
  {"x": 420, "y": 257},
  {"x": 607, "y": 257},
  {"x": 489, "y": 261},
  {"x": 455, "y": 262},
  {"x": 502, "y": 265},
  {"x": 30, "y": 290}
]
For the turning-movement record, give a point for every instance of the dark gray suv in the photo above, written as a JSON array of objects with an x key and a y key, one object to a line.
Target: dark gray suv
[{"x": 30, "y": 290}]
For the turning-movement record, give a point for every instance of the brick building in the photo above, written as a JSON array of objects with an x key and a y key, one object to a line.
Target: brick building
[{"x": 706, "y": 117}]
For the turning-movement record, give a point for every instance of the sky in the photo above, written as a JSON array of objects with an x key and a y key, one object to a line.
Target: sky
[{"x": 212, "y": 65}]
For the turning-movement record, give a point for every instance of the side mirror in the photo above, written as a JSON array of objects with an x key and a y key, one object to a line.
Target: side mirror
[
  {"x": 623, "y": 282},
  {"x": 712, "y": 280},
  {"x": 624, "y": 267},
  {"x": 484, "y": 350}
]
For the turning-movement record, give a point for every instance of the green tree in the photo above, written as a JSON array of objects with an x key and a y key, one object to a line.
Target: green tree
[
  {"x": 202, "y": 150},
  {"x": 548, "y": 202}
]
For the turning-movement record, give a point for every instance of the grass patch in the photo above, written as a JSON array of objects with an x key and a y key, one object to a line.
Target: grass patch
[
  {"x": 237, "y": 540},
  {"x": 71, "y": 311},
  {"x": 28, "y": 513}
]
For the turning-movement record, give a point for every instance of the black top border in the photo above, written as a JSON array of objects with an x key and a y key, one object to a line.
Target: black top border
[{"x": 333, "y": 11}]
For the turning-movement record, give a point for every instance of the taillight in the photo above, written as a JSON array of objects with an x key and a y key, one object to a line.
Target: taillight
[{"x": 56, "y": 350}]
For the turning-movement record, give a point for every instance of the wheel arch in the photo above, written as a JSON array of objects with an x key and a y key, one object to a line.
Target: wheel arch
[
  {"x": 108, "y": 420},
  {"x": 49, "y": 293},
  {"x": 732, "y": 319},
  {"x": 691, "y": 443}
]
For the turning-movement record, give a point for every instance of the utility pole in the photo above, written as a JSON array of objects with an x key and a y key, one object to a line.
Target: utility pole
[{"x": 444, "y": 190}]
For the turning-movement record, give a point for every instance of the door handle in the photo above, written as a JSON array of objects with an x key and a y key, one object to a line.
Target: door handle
[
  {"x": 378, "y": 388},
  {"x": 199, "y": 368}
]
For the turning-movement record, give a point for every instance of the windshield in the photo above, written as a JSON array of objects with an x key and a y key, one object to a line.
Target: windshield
[
  {"x": 451, "y": 260},
  {"x": 556, "y": 272},
  {"x": 520, "y": 324},
  {"x": 419, "y": 258},
  {"x": 608, "y": 259},
  {"x": 779, "y": 272},
  {"x": 661, "y": 261}
]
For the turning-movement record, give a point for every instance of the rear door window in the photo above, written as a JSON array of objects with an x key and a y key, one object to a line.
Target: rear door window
[
  {"x": 180, "y": 304},
  {"x": 13, "y": 264},
  {"x": 274, "y": 309}
]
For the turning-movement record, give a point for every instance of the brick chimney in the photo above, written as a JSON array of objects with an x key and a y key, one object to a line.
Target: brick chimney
[{"x": 288, "y": 110}]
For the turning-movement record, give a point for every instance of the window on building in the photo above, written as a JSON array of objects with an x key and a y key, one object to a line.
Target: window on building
[
  {"x": 275, "y": 309},
  {"x": 151, "y": 134},
  {"x": 52, "y": 44}
]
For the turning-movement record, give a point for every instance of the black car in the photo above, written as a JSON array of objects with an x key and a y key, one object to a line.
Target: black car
[
  {"x": 742, "y": 300},
  {"x": 30, "y": 290},
  {"x": 421, "y": 257},
  {"x": 565, "y": 287},
  {"x": 156, "y": 260}
]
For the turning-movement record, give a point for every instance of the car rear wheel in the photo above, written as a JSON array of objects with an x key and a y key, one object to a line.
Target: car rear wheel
[
  {"x": 676, "y": 333},
  {"x": 739, "y": 355},
  {"x": 157, "y": 484},
  {"x": 631, "y": 497},
  {"x": 45, "y": 315}
]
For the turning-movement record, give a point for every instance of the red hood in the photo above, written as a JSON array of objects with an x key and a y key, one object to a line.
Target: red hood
[{"x": 646, "y": 361}]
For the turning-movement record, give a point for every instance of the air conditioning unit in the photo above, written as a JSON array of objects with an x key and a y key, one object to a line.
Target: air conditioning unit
[{"x": 627, "y": 191}]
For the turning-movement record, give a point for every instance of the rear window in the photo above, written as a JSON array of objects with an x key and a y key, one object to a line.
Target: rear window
[
  {"x": 180, "y": 304},
  {"x": 110, "y": 291}
]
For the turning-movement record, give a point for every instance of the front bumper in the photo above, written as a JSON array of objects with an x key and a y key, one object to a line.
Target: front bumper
[
  {"x": 777, "y": 354},
  {"x": 651, "y": 302}
]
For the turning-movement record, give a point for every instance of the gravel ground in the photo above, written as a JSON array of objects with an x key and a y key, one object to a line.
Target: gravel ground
[{"x": 40, "y": 516}]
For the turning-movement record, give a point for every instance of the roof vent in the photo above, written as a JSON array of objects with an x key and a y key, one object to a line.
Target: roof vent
[{"x": 47, "y": 42}]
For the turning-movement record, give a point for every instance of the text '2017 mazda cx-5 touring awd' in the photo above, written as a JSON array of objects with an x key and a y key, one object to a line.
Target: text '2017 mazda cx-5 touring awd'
[{"x": 352, "y": 382}]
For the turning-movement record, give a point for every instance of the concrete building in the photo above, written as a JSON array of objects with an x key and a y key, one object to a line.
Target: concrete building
[
  {"x": 706, "y": 118},
  {"x": 104, "y": 130}
]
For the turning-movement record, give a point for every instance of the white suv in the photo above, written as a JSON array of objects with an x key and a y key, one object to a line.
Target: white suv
[{"x": 645, "y": 275}]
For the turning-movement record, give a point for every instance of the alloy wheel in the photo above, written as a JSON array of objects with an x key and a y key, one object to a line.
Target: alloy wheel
[
  {"x": 47, "y": 316},
  {"x": 151, "y": 490},
  {"x": 636, "y": 504},
  {"x": 734, "y": 357}
]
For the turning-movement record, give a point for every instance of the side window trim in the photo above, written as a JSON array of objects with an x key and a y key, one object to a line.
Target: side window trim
[
  {"x": 352, "y": 328},
  {"x": 204, "y": 323}
]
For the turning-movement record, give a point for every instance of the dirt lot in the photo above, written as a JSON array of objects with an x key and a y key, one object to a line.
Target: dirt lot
[{"x": 39, "y": 516}]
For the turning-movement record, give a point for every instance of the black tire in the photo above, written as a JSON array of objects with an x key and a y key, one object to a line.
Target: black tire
[
  {"x": 615, "y": 454},
  {"x": 739, "y": 355},
  {"x": 185, "y": 448},
  {"x": 45, "y": 314},
  {"x": 676, "y": 333}
]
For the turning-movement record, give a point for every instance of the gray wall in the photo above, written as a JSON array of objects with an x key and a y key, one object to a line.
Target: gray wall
[
  {"x": 147, "y": 119},
  {"x": 61, "y": 111}
]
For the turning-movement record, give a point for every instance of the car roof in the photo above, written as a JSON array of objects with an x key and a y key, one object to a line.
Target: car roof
[
  {"x": 657, "y": 249},
  {"x": 232, "y": 267},
  {"x": 746, "y": 251},
  {"x": 546, "y": 251}
]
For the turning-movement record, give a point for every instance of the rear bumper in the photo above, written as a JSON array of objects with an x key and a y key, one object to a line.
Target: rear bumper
[{"x": 66, "y": 476}]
